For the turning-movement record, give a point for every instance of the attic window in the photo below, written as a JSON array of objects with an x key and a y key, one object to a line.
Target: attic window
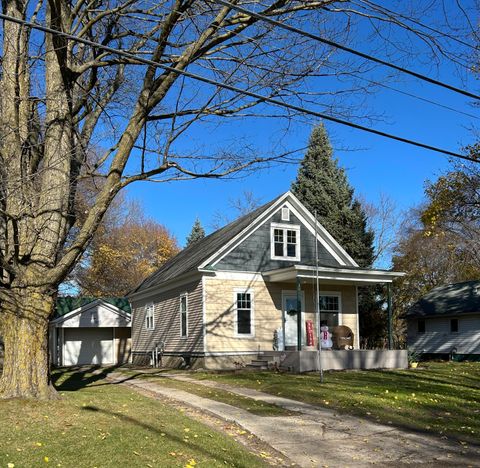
[
  {"x": 285, "y": 242},
  {"x": 285, "y": 213},
  {"x": 421, "y": 326}
]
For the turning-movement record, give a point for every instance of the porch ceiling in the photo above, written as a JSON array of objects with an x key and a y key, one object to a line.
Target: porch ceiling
[{"x": 340, "y": 275}]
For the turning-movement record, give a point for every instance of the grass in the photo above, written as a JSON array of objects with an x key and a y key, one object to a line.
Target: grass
[
  {"x": 438, "y": 398},
  {"x": 96, "y": 423},
  {"x": 258, "y": 408}
]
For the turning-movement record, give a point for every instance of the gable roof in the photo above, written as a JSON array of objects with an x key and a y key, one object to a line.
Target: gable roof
[
  {"x": 191, "y": 257},
  {"x": 206, "y": 252},
  {"x": 451, "y": 299},
  {"x": 66, "y": 304}
]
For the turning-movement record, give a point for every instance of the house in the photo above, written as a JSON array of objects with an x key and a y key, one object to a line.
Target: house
[
  {"x": 90, "y": 331},
  {"x": 250, "y": 287},
  {"x": 446, "y": 321}
]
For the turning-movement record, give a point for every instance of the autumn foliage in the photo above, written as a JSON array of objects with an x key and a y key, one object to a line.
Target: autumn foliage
[{"x": 124, "y": 255}]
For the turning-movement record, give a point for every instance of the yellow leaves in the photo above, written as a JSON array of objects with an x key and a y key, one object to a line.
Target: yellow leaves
[
  {"x": 191, "y": 463},
  {"x": 46, "y": 459},
  {"x": 10, "y": 465}
]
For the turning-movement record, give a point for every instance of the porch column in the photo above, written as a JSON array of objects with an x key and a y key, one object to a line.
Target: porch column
[
  {"x": 299, "y": 315},
  {"x": 389, "y": 315}
]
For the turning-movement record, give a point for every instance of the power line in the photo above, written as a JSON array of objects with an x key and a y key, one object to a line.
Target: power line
[
  {"x": 418, "y": 23},
  {"x": 234, "y": 88},
  {"x": 346, "y": 49},
  {"x": 415, "y": 96}
]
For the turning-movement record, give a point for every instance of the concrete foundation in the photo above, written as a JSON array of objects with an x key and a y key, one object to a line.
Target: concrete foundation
[{"x": 306, "y": 361}]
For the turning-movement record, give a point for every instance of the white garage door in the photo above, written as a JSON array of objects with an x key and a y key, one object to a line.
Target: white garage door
[{"x": 88, "y": 346}]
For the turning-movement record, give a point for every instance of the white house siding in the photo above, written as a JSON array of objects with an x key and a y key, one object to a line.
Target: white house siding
[
  {"x": 167, "y": 323},
  {"x": 95, "y": 316},
  {"x": 438, "y": 338}
]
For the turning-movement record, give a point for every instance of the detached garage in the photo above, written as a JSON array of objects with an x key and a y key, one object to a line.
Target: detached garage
[{"x": 90, "y": 332}]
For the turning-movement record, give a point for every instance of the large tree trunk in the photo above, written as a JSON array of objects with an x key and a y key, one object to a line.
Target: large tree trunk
[{"x": 25, "y": 314}]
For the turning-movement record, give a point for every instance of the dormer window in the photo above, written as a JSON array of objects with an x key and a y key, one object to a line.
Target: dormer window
[{"x": 285, "y": 242}]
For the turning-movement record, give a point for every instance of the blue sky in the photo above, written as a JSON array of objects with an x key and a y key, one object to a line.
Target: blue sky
[{"x": 374, "y": 165}]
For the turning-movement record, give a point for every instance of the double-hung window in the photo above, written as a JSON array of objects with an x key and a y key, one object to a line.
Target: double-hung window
[
  {"x": 244, "y": 313},
  {"x": 149, "y": 317},
  {"x": 285, "y": 242},
  {"x": 184, "y": 315},
  {"x": 330, "y": 305}
]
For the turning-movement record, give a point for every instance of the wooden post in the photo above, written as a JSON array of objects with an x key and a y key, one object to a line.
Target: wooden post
[
  {"x": 389, "y": 312},
  {"x": 299, "y": 315}
]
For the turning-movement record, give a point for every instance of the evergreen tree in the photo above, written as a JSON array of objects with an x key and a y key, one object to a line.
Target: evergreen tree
[
  {"x": 196, "y": 233},
  {"x": 322, "y": 186}
]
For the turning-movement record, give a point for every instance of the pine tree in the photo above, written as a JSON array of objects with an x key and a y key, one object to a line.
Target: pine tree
[
  {"x": 196, "y": 233},
  {"x": 322, "y": 186}
]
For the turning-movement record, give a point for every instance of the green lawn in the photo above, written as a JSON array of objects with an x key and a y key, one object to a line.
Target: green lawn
[
  {"x": 98, "y": 424},
  {"x": 440, "y": 398}
]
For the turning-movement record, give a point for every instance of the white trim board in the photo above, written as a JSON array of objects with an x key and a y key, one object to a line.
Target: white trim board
[{"x": 303, "y": 215}]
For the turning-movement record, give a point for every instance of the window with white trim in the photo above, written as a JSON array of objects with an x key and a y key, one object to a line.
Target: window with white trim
[
  {"x": 244, "y": 313},
  {"x": 184, "y": 315},
  {"x": 149, "y": 316},
  {"x": 330, "y": 310},
  {"x": 285, "y": 242}
]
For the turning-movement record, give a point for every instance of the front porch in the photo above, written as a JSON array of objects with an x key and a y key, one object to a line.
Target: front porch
[{"x": 307, "y": 356}]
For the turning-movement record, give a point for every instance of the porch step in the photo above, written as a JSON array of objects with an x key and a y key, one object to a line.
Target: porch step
[{"x": 263, "y": 362}]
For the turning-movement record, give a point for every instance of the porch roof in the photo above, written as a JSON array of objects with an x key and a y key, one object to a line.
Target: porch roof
[{"x": 332, "y": 275}]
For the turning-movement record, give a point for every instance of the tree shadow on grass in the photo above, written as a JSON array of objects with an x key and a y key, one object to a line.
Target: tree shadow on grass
[
  {"x": 76, "y": 378},
  {"x": 213, "y": 453}
]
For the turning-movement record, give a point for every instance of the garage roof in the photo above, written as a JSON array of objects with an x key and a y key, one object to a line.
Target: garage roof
[{"x": 66, "y": 304}]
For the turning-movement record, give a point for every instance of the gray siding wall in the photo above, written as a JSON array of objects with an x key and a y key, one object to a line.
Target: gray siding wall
[
  {"x": 167, "y": 321},
  {"x": 438, "y": 338},
  {"x": 253, "y": 254}
]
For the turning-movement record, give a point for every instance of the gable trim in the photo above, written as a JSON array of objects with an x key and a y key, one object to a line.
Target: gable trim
[
  {"x": 87, "y": 307},
  {"x": 304, "y": 216},
  {"x": 243, "y": 235}
]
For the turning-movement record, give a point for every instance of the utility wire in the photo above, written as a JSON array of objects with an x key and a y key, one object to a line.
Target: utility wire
[
  {"x": 416, "y": 96},
  {"x": 235, "y": 89},
  {"x": 418, "y": 23},
  {"x": 346, "y": 49}
]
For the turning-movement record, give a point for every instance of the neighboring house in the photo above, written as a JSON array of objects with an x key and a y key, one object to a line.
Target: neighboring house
[
  {"x": 446, "y": 321},
  {"x": 90, "y": 331},
  {"x": 219, "y": 302}
]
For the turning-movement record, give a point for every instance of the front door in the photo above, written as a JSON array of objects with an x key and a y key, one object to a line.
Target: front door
[{"x": 290, "y": 320}]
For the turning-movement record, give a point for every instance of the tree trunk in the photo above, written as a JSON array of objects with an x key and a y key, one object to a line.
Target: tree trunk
[{"x": 26, "y": 371}]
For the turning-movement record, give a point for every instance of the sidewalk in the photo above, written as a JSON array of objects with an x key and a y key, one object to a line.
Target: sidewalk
[{"x": 319, "y": 437}]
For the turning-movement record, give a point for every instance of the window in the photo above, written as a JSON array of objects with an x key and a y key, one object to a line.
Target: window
[
  {"x": 285, "y": 213},
  {"x": 285, "y": 242},
  {"x": 330, "y": 310},
  {"x": 149, "y": 317},
  {"x": 421, "y": 326},
  {"x": 184, "y": 315},
  {"x": 453, "y": 325},
  {"x": 244, "y": 314}
]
